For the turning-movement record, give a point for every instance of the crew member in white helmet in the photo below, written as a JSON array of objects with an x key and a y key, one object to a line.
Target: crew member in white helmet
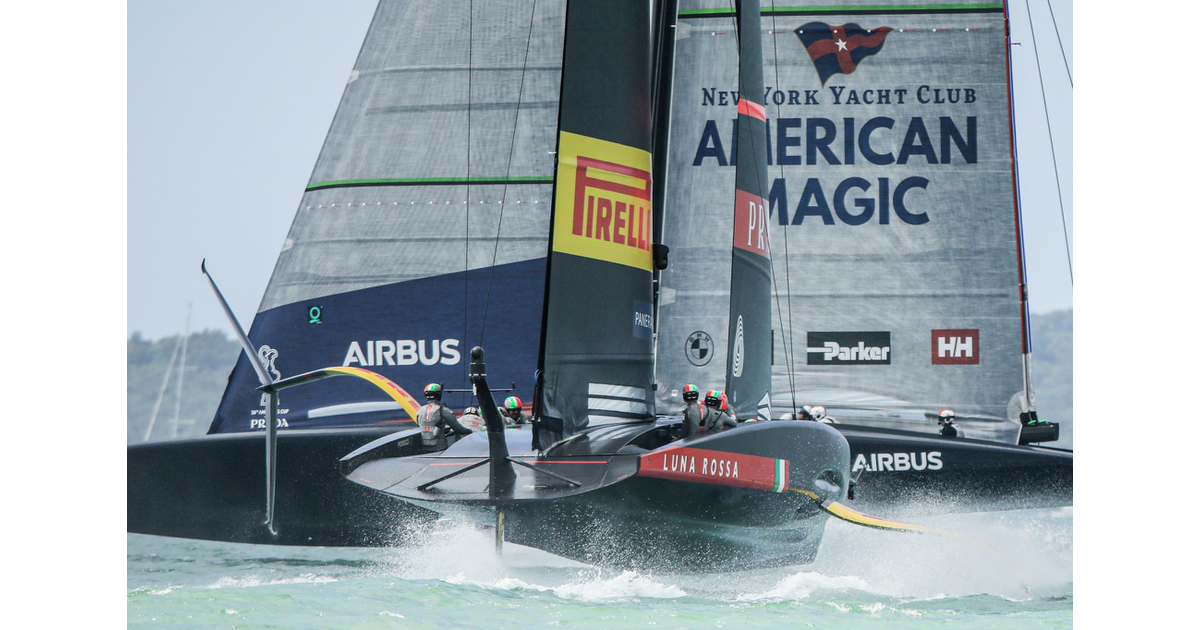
[
  {"x": 818, "y": 414},
  {"x": 946, "y": 422}
]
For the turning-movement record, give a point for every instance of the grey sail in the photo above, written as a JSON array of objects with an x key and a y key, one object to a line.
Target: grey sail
[
  {"x": 423, "y": 229},
  {"x": 894, "y": 226}
]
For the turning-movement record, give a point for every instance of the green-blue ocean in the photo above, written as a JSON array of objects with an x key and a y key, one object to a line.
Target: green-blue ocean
[{"x": 1014, "y": 571}]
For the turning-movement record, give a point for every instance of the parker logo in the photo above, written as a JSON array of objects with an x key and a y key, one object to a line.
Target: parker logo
[
  {"x": 955, "y": 346},
  {"x": 850, "y": 348},
  {"x": 603, "y": 201},
  {"x": 699, "y": 348},
  {"x": 839, "y": 49},
  {"x": 403, "y": 352}
]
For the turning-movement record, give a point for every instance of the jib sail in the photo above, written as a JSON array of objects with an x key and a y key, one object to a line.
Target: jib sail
[
  {"x": 597, "y": 365},
  {"x": 423, "y": 229},
  {"x": 894, "y": 226}
]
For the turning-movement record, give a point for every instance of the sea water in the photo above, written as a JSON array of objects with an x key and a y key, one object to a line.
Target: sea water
[{"x": 1014, "y": 571}]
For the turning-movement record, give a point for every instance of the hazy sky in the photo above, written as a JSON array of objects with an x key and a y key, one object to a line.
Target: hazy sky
[{"x": 229, "y": 103}]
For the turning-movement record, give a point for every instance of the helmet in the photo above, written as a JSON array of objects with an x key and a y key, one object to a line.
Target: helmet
[
  {"x": 433, "y": 391},
  {"x": 471, "y": 411},
  {"x": 724, "y": 402},
  {"x": 818, "y": 412},
  {"x": 690, "y": 393},
  {"x": 946, "y": 415},
  {"x": 512, "y": 403},
  {"x": 714, "y": 398},
  {"x": 805, "y": 413}
]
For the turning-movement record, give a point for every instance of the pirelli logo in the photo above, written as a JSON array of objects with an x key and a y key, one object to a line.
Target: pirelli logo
[{"x": 603, "y": 205}]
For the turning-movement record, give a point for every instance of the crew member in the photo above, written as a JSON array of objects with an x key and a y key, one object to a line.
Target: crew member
[
  {"x": 512, "y": 412},
  {"x": 946, "y": 422},
  {"x": 694, "y": 414},
  {"x": 819, "y": 414},
  {"x": 472, "y": 419},
  {"x": 717, "y": 419},
  {"x": 436, "y": 421}
]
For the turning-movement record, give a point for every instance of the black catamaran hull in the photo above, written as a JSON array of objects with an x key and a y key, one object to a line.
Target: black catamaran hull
[
  {"x": 740, "y": 498},
  {"x": 213, "y": 488},
  {"x": 923, "y": 473}
]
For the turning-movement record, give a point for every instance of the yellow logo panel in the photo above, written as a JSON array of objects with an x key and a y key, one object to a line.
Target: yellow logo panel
[{"x": 602, "y": 209}]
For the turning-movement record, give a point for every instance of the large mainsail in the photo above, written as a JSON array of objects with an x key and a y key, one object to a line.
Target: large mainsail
[
  {"x": 893, "y": 215},
  {"x": 598, "y": 358},
  {"x": 423, "y": 230}
]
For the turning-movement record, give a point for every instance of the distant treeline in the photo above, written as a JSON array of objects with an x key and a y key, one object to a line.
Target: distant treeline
[
  {"x": 209, "y": 359},
  {"x": 210, "y": 356}
]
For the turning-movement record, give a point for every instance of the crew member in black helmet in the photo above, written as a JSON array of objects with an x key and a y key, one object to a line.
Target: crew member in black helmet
[
  {"x": 946, "y": 422},
  {"x": 694, "y": 414},
  {"x": 512, "y": 412},
  {"x": 436, "y": 421},
  {"x": 717, "y": 418}
]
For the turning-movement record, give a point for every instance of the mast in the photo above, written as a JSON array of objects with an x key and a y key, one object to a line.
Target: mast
[
  {"x": 748, "y": 359},
  {"x": 597, "y": 359},
  {"x": 1029, "y": 409}
]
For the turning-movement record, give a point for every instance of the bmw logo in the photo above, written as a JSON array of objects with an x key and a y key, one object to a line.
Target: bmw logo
[{"x": 699, "y": 348}]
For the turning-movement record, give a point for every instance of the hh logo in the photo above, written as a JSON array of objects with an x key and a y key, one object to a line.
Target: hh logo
[
  {"x": 603, "y": 201},
  {"x": 955, "y": 347}
]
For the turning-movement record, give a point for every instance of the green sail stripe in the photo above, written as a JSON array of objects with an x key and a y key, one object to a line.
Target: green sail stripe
[
  {"x": 428, "y": 181},
  {"x": 874, "y": 8}
]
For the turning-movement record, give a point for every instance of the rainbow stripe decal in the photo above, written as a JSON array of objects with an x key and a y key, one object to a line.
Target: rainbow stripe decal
[
  {"x": 382, "y": 382},
  {"x": 716, "y": 467}
]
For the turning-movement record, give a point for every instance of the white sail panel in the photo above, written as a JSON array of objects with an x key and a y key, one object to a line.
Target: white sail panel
[
  {"x": 423, "y": 230},
  {"x": 893, "y": 228}
]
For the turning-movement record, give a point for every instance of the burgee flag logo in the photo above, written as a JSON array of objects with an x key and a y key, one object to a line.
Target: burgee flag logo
[{"x": 839, "y": 49}]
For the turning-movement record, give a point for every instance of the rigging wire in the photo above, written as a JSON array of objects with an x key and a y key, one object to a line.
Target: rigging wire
[
  {"x": 1066, "y": 65},
  {"x": 508, "y": 169},
  {"x": 1053, "y": 156},
  {"x": 789, "y": 333},
  {"x": 467, "y": 229}
]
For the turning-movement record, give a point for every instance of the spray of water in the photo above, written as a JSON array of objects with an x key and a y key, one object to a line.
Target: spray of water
[{"x": 1030, "y": 558}]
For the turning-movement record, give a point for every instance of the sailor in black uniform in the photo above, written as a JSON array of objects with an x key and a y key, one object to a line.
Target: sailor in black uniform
[
  {"x": 512, "y": 412},
  {"x": 436, "y": 421},
  {"x": 693, "y": 413},
  {"x": 946, "y": 422},
  {"x": 717, "y": 419}
]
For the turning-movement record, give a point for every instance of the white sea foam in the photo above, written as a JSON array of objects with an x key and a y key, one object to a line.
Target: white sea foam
[
  {"x": 1030, "y": 556},
  {"x": 258, "y": 580},
  {"x": 627, "y": 585},
  {"x": 801, "y": 585}
]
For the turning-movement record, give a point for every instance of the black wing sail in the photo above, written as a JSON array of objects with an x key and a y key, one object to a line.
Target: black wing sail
[
  {"x": 597, "y": 360},
  {"x": 748, "y": 358}
]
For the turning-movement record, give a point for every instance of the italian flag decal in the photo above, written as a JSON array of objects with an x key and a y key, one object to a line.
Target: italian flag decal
[{"x": 716, "y": 467}]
